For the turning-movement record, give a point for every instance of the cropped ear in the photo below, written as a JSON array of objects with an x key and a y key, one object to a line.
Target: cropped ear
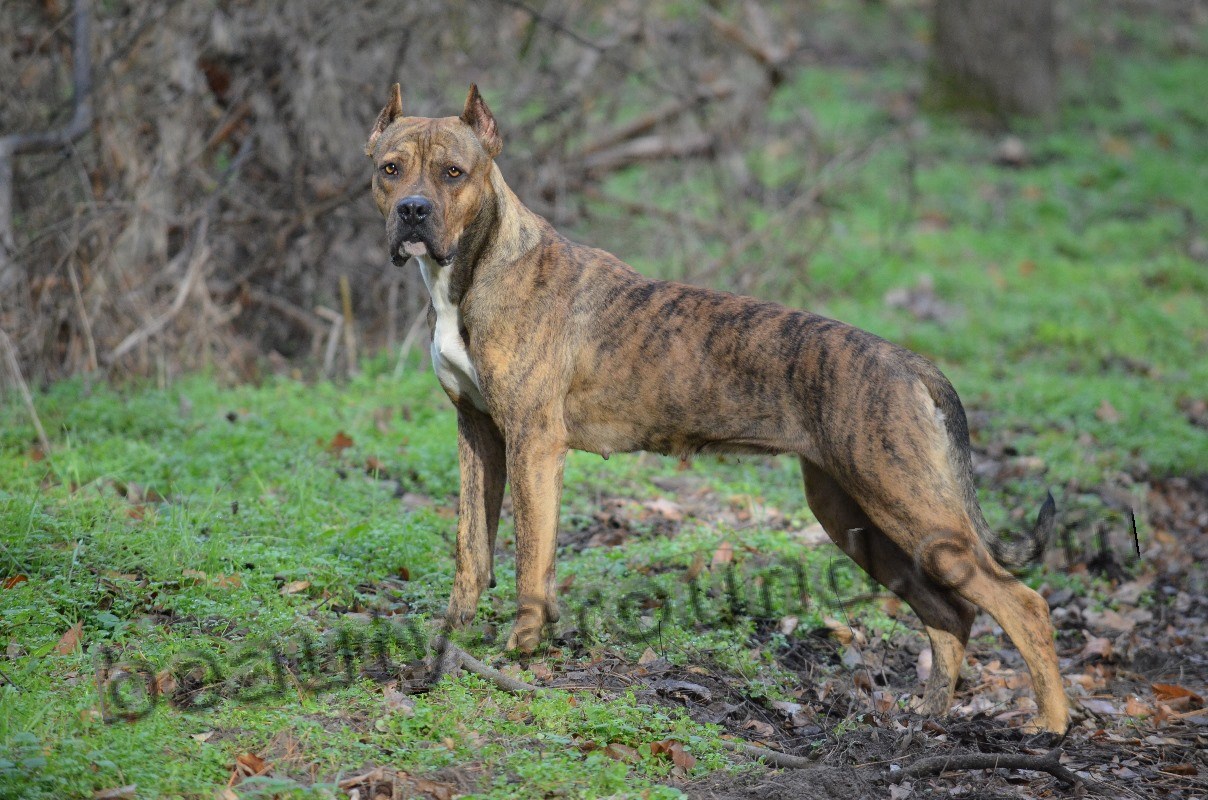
[
  {"x": 392, "y": 111},
  {"x": 478, "y": 117}
]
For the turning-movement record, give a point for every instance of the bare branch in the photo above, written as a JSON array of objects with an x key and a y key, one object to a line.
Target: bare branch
[
  {"x": 645, "y": 123},
  {"x": 77, "y": 126},
  {"x": 647, "y": 148}
]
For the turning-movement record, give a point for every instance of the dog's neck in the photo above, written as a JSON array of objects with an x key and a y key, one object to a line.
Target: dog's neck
[{"x": 504, "y": 230}]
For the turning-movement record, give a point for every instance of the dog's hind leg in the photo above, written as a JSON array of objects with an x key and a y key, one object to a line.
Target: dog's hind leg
[
  {"x": 480, "y": 455},
  {"x": 1024, "y": 615},
  {"x": 935, "y": 539},
  {"x": 946, "y": 616}
]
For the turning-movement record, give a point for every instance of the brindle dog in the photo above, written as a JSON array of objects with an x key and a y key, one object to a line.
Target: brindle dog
[{"x": 544, "y": 345}]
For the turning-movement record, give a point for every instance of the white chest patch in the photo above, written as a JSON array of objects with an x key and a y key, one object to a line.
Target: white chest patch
[{"x": 450, "y": 359}]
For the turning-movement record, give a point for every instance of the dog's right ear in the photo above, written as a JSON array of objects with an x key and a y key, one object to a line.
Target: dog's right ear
[{"x": 392, "y": 111}]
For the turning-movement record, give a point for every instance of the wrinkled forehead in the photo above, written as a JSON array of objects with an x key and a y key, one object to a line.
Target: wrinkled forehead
[{"x": 427, "y": 138}]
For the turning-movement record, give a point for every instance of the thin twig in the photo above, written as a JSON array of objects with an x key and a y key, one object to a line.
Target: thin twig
[
  {"x": 197, "y": 260},
  {"x": 87, "y": 324},
  {"x": 14, "y": 367}
]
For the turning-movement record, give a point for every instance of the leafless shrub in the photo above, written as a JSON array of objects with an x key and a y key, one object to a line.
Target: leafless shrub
[{"x": 219, "y": 200}]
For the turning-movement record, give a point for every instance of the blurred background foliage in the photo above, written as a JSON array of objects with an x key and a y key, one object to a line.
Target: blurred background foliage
[{"x": 215, "y": 213}]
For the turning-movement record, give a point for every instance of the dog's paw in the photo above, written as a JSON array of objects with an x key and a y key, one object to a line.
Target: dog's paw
[
  {"x": 1046, "y": 732},
  {"x": 460, "y": 613},
  {"x": 526, "y": 633}
]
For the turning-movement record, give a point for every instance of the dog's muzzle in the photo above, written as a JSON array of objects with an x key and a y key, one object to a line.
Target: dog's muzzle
[{"x": 412, "y": 234}]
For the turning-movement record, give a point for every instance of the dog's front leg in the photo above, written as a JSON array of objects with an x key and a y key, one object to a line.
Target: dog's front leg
[
  {"x": 480, "y": 456},
  {"x": 535, "y": 463}
]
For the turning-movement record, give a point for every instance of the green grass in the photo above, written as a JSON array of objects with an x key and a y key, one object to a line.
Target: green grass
[{"x": 1074, "y": 287}]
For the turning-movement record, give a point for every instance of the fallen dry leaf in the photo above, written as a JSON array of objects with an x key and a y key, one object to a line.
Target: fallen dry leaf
[
  {"x": 14, "y": 580},
  {"x": 842, "y": 632},
  {"x": 1181, "y": 769},
  {"x": 666, "y": 509},
  {"x": 1099, "y": 706},
  {"x": 399, "y": 702},
  {"x": 339, "y": 443},
  {"x": 679, "y": 756},
  {"x": 1106, "y": 412},
  {"x": 293, "y": 587},
  {"x": 165, "y": 682},
  {"x": 1110, "y": 620},
  {"x": 70, "y": 640},
  {"x": 1169, "y": 691},
  {"x": 683, "y": 690},
  {"x": 437, "y": 790},
  {"x": 1097, "y": 646},
  {"x": 724, "y": 554},
  {"x": 118, "y": 793},
  {"x": 248, "y": 765},
  {"x": 1135, "y": 707},
  {"x": 622, "y": 752},
  {"x": 760, "y": 728},
  {"x": 795, "y": 714},
  {"x": 648, "y": 656}
]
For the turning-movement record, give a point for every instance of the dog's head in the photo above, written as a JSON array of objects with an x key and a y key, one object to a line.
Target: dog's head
[{"x": 430, "y": 175}]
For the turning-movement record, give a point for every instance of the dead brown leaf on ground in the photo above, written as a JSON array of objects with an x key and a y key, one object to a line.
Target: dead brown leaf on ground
[{"x": 70, "y": 640}]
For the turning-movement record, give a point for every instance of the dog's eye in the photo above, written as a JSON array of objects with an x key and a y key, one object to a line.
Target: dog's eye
[
  {"x": 390, "y": 168},
  {"x": 453, "y": 172}
]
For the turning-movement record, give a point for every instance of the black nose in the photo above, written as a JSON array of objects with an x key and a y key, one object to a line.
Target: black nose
[{"x": 414, "y": 209}]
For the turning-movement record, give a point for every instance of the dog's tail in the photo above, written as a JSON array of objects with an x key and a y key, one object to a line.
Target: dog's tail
[{"x": 1019, "y": 550}]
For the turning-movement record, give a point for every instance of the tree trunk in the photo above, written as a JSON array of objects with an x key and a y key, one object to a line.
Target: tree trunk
[{"x": 994, "y": 56}]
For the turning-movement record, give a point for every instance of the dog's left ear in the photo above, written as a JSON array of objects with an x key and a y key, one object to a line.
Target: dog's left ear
[
  {"x": 479, "y": 117},
  {"x": 392, "y": 111}
]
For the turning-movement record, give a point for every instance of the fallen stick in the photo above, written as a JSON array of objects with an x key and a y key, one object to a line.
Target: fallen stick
[
  {"x": 450, "y": 656},
  {"x": 453, "y": 657},
  {"x": 773, "y": 757},
  {"x": 1050, "y": 762}
]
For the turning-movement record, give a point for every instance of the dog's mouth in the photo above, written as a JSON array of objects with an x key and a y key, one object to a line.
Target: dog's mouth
[{"x": 412, "y": 244}]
